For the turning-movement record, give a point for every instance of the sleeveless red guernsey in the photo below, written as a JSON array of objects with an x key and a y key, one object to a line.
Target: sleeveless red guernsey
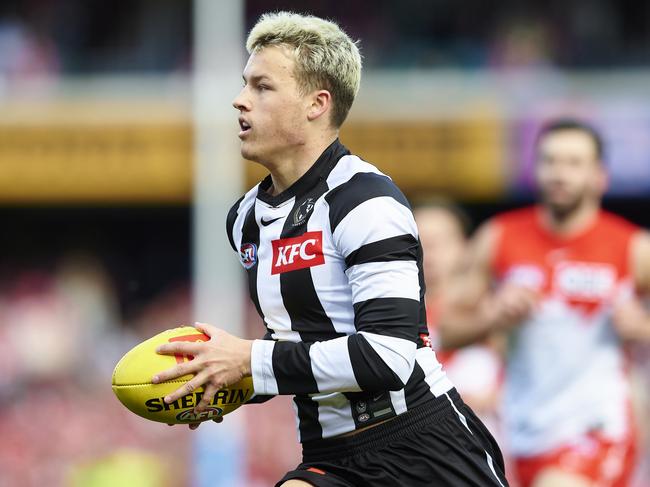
[{"x": 566, "y": 370}]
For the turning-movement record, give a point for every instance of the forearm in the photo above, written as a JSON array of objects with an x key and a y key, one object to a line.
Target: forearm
[
  {"x": 458, "y": 328},
  {"x": 359, "y": 362},
  {"x": 465, "y": 322}
]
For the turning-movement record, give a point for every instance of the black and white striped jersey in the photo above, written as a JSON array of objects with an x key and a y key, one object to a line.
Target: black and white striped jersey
[{"x": 334, "y": 269}]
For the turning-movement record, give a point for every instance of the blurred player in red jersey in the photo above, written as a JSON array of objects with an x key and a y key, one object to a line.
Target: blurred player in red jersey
[{"x": 562, "y": 280}]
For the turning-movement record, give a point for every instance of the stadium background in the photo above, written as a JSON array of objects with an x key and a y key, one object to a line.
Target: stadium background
[{"x": 98, "y": 198}]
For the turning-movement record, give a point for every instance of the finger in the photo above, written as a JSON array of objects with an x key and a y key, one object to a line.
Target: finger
[
  {"x": 521, "y": 303},
  {"x": 206, "y": 328},
  {"x": 511, "y": 299},
  {"x": 206, "y": 399},
  {"x": 187, "y": 388},
  {"x": 523, "y": 306},
  {"x": 513, "y": 307},
  {"x": 176, "y": 371},
  {"x": 518, "y": 292},
  {"x": 531, "y": 298},
  {"x": 523, "y": 309},
  {"x": 218, "y": 419},
  {"x": 180, "y": 348},
  {"x": 511, "y": 319},
  {"x": 515, "y": 313},
  {"x": 193, "y": 426},
  {"x": 523, "y": 294}
]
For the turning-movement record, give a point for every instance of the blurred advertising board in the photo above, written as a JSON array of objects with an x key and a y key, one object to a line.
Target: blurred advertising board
[
  {"x": 81, "y": 156},
  {"x": 106, "y": 153},
  {"x": 101, "y": 153}
]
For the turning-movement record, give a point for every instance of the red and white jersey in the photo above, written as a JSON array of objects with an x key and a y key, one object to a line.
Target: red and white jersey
[{"x": 566, "y": 370}]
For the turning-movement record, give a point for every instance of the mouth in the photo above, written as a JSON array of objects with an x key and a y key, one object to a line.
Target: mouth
[
  {"x": 244, "y": 127},
  {"x": 558, "y": 191}
]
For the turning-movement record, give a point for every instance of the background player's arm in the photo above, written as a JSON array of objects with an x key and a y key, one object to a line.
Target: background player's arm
[
  {"x": 631, "y": 317},
  {"x": 462, "y": 302},
  {"x": 471, "y": 310}
]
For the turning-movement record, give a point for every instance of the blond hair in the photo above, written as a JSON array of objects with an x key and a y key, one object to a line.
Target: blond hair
[{"x": 325, "y": 57}]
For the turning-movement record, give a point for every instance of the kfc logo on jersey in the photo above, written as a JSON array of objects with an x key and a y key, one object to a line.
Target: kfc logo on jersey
[
  {"x": 248, "y": 255},
  {"x": 290, "y": 254},
  {"x": 585, "y": 281}
]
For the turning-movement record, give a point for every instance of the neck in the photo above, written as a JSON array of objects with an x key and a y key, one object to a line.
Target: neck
[
  {"x": 572, "y": 223},
  {"x": 293, "y": 166}
]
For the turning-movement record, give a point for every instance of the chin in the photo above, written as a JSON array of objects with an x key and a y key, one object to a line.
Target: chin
[
  {"x": 247, "y": 152},
  {"x": 563, "y": 209}
]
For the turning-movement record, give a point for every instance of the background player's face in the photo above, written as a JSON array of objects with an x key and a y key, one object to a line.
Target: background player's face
[
  {"x": 443, "y": 243},
  {"x": 568, "y": 171},
  {"x": 272, "y": 109}
]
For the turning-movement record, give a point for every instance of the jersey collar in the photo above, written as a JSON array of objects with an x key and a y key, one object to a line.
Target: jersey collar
[{"x": 318, "y": 171}]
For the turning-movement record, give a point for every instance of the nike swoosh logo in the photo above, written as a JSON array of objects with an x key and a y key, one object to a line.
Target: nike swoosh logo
[{"x": 268, "y": 222}]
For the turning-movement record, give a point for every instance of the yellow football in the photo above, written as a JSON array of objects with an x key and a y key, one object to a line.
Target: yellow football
[{"x": 133, "y": 387}]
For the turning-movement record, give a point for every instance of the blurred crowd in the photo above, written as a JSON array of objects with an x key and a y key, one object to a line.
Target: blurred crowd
[
  {"x": 61, "y": 333},
  {"x": 62, "y": 330},
  {"x": 48, "y": 38}
]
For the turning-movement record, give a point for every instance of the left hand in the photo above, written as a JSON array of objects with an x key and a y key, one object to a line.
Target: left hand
[
  {"x": 632, "y": 321},
  {"x": 218, "y": 363}
]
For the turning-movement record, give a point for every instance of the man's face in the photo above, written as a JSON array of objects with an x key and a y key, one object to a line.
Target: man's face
[
  {"x": 568, "y": 171},
  {"x": 273, "y": 112}
]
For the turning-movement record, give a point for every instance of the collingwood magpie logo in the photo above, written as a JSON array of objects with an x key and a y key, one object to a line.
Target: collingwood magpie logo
[{"x": 303, "y": 211}]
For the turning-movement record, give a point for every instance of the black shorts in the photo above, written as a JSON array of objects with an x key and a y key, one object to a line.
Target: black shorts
[{"x": 440, "y": 443}]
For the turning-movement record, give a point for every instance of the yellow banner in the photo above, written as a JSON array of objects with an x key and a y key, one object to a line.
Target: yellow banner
[
  {"x": 144, "y": 162},
  {"x": 114, "y": 163}
]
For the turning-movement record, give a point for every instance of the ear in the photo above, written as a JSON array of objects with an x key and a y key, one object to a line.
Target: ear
[
  {"x": 321, "y": 102},
  {"x": 602, "y": 179}
]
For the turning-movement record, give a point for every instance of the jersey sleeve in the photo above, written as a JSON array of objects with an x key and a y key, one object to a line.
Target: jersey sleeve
[{"x": 373, "y": 229}]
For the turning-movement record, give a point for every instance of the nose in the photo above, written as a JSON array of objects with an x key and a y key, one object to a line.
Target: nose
[{"x": 240, "y": 102}]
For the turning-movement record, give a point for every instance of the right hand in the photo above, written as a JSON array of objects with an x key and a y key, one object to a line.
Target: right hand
[{"x": 509, "y": 306}]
